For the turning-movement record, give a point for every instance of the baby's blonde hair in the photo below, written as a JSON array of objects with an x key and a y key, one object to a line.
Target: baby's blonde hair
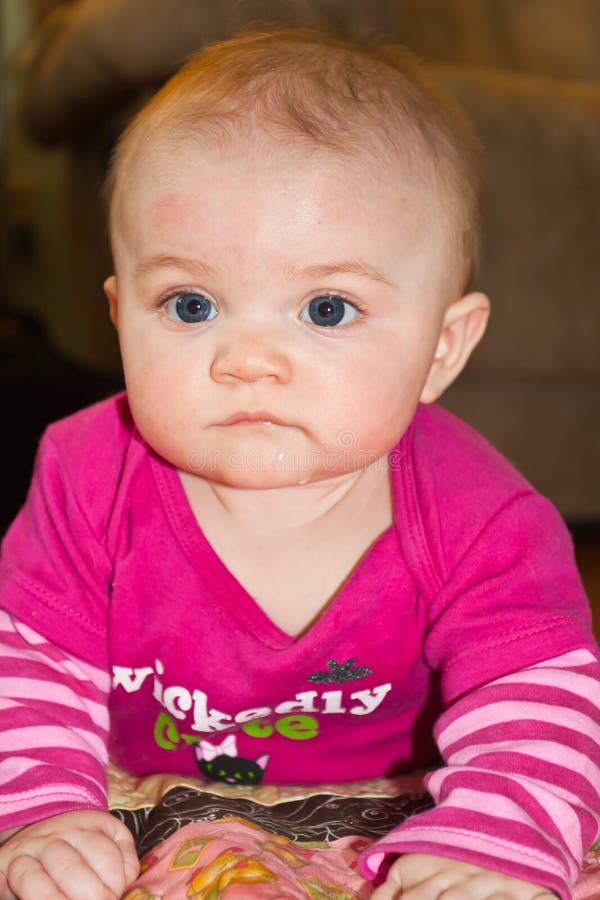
[{"x": 308, "y": 86}]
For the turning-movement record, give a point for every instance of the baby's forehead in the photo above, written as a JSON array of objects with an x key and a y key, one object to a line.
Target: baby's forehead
[
  {"x": 192, "y": 191},
  {"x": 317, "y": 100},
  {"x": 175, "y": 185},
  {"x": 166, "y": 154}
]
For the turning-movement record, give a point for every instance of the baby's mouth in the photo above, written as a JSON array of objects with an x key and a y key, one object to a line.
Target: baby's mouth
[{"x": 259, "y": 417}]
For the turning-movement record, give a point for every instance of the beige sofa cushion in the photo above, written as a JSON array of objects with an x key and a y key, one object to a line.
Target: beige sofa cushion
[
  {"x": 541, "y": 241},
  {"x": 550, "y": 37}
]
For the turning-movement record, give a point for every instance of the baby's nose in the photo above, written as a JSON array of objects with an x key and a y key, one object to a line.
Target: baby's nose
[{"x": 249, "y": 358}]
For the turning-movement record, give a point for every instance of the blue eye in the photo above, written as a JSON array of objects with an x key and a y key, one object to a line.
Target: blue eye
[
  {"x": 191, "y": 307},
  {"x": 328, "y": 311}
]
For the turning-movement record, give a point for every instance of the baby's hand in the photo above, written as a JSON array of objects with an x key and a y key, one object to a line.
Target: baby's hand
[
  {"x": 418, "y": 876},
  {"x": 79, "y": 854}
]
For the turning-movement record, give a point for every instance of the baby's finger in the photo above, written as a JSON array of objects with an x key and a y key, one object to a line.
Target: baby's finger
[
  {"x": 28, "y": 880},
  {"x": 5, "y": 892},
  {"x": 475, "y": 889},
  {"x": 72, "y": 875},
  {"x": 431, "y": 880},
  {"x": 131, "y": 862},
  {"x": 111, "y": 854},
  {"x": 502, "y": 888},
  {"x": 392, "y": 889},
  {"x": 386, "y": 891}
]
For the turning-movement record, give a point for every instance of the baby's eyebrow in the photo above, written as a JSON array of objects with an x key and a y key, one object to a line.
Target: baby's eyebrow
[
  {"x": 343, "y": 267},
  {"x": 197, "y": 269},
  {"x": 194, "y": 267}
]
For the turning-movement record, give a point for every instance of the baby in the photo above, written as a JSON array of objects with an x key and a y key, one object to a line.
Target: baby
[{"x": 275, "y": 558}]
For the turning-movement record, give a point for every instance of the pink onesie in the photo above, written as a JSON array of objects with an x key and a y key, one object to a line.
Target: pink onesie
[{"x": 474, "y": 581}]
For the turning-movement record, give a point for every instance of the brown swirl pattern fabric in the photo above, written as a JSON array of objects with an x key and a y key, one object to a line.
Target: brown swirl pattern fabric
[{"x": 321, "y": 817}]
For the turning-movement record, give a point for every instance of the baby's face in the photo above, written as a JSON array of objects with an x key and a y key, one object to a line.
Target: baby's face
[{"x": 278, "y": 315}]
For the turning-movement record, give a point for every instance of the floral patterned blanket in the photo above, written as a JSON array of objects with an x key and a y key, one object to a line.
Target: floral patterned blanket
[{"x": 205, "y": 842}]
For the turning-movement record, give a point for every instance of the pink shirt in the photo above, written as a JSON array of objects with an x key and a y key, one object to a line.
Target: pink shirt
[
  {"x": 475, "y": 581},
  {"x": 108, "y": 562}
]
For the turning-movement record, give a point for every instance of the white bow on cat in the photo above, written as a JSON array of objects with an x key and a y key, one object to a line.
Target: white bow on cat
[{"x": 211, "y": 751}]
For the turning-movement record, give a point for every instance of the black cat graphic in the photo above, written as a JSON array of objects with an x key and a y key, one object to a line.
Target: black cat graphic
[{"x": 228, "y": 767}]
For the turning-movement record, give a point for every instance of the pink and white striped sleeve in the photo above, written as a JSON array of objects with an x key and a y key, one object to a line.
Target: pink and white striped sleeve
[
  {"x": 520, "y": 791},
  {"x": 53, "y": 736}
]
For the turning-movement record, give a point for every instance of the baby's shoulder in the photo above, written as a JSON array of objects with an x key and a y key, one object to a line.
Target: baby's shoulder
[
  {"x": 458, "y": 462},
  {"x": 91, "y": 448},
  {"x": 106, "y": 424},
  {"x": 451, "y": 487}
]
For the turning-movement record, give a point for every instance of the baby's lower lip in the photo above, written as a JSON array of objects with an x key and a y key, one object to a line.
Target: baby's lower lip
[
  {"x": 246, "y": 422},
  {"x": 264, "y": 426},
  {"x": 262, "y": 417}
]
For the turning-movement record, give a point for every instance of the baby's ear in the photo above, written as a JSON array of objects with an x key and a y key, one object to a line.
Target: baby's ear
[
  {"x": 463, "y": 326},
  {"x": 110, "y": 289}
]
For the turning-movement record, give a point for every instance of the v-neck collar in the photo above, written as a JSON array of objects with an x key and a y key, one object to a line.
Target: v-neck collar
[{"x": 233, "y": 595}]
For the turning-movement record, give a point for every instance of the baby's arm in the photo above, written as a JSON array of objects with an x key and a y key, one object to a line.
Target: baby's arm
[
  {"x": 520, "y": 789},
  {"x": 78, "y": 854},
  {"x": 53, "y": 811},
  {"x": 53, "y": 729}
]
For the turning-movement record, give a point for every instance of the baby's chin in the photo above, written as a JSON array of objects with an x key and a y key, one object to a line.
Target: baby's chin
[
  {"x": 255, "y": 480},
  {"x": 284, "y": 474}
]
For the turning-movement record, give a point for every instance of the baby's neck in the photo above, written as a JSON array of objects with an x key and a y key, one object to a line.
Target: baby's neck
[
  {"x": 292, "y": 548},
  {"x": 290, "y": 508}
]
